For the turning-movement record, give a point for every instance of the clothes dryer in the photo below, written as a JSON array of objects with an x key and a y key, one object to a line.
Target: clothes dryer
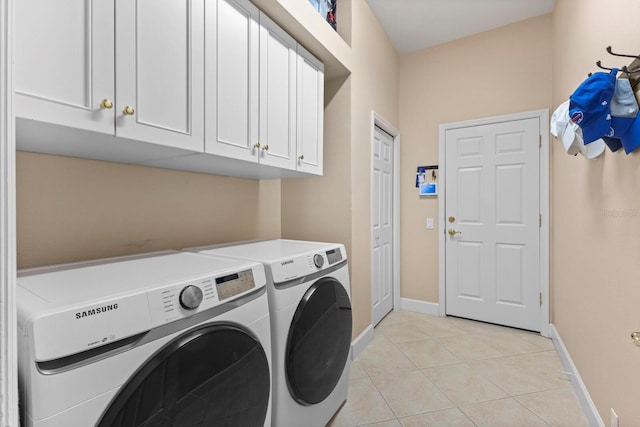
[
  {"x": 311, "y": 324},
  {"x": 164, "y": 339}
]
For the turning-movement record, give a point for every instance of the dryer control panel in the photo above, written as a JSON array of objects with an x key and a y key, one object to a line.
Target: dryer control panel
[{"x": 305, "y": 264}]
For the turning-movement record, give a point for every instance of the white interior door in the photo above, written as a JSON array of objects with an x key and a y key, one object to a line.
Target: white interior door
[
  {"x": 492, "y": 222},
  {"x": 382, "y": 225}
]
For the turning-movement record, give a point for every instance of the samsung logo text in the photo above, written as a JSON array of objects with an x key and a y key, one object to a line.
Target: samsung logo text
[{"x": 96, "y": 310}]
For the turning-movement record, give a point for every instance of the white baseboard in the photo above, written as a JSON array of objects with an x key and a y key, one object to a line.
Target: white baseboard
[
  {"x": 423, "y": 307},
  {"x": 590, "y": 411},
  {"x": 361, "y": 342}
]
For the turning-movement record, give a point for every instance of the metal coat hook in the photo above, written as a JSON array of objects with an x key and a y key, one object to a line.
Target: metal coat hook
[
  {"x": 610, "y": 52},
  {"x": 599, "y": 64},
  {"x": 624, "y": 69}
]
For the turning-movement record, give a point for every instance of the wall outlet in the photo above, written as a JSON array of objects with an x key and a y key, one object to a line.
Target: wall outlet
[{"x": 614, "y": 419}]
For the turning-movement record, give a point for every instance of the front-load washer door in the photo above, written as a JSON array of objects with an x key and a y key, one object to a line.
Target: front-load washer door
[
  {"x": 318, "y": 342},
  {"x": 216, "y": 375}
]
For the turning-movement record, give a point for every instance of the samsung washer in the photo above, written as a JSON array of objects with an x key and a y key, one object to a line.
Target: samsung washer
[
  {"x": 309, "y": 303},
  {"x": 165, "y": 339}
]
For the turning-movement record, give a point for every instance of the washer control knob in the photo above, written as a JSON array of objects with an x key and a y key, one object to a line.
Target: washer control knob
[
  {"x": 190, "y": 297},
  {"x": 318, "y": 260}
]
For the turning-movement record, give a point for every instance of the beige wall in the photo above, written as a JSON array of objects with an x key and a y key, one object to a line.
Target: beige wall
[
  {"x": 337, "y": 206},
  {"x": 595, "y": 273},
  {"x": 72, "y": 209},
  {"x": 503, "y": 71}
]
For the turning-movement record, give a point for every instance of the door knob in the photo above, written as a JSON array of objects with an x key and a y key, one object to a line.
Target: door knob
[
  {"x": 453, "y": 232},
  {"x": 106, "y": 104},
  {"x": 266, "y": 147},
  {"x": 256, "y": 145},
  {"x": 128, "y": 111},
  {"x": 301, "y": 157}
]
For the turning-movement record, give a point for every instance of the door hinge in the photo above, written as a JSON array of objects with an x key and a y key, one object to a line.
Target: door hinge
[
  {"x": 540, "y": 298},
  {"x": 540, "y": 220}
]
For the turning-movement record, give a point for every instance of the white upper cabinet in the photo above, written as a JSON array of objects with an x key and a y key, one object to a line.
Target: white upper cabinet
[
  {"x": 277, "y": 137},
  {"x": 136, "y": 75},
  {"x": 64, "y": 62},
  {"x": 310, "y": 108},
  {"x": 231, "y": 79},
  {"x": 159, "y": 72},
  {"x": 210, "y": 86}
]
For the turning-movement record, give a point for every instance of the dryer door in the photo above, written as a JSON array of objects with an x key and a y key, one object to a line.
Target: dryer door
[
  {"x": 213, "y": 375},
  {"x": 318, "y": 342}
]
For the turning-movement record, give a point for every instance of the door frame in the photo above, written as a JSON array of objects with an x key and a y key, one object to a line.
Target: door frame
[
  {"x": 543, "y": 120},
  {"x": 379, "y": 121},
  {"x": 8, "y": 323}
]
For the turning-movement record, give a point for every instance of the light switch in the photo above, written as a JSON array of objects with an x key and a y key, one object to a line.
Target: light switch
[{"x": 430, "y": 223}]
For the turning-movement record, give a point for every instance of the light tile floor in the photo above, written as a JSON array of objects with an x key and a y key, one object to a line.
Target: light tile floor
[{"x": 423, "y": 370}]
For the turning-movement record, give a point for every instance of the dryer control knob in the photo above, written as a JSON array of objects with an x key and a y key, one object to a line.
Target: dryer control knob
[
  {"x": 318, "y": 260},
  {"x": 190, "y": 297}
]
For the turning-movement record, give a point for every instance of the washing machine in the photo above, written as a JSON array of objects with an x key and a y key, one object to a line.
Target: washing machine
[
  {"x": 163, "y": 339},
  {"x": 309, "y": 302}
]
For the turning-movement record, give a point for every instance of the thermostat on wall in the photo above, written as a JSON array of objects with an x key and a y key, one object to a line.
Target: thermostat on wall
[{"x": 429, "y": 189}]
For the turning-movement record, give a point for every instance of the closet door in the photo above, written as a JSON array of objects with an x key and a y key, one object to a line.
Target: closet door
[
  {"x": 277, "y": 96},
  {"x": 159, "y": 72},
  {"x": 64, "y": 65},
  {"x": 231, "y": 79}
]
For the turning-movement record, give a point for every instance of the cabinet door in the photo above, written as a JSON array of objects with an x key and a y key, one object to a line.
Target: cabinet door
[
  {"x": 277, "y": 96},
  {"x": 231, "y": 78},
  {"x": 64, "y": 62},
  {"x": 310, "y": 112},
  {"x": 159, "y": 72}
]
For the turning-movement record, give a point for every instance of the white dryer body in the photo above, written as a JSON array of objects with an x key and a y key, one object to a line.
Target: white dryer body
[{"x": 311, "y": 325}]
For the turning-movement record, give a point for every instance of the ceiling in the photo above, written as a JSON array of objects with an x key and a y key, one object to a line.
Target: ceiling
[{"x": 417, "y": 24}]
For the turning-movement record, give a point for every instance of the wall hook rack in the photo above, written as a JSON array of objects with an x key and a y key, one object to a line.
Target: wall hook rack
[{"x": 624, "y": 68}]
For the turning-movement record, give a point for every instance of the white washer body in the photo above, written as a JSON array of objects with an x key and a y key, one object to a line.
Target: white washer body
[
  {"x": 293, "y": 267},
  {"x": 86, "y": 329}
]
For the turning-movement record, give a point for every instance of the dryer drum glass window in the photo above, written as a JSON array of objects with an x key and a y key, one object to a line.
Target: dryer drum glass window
[
  {"x": 213, "y": 375},
  {"x": 318, "y": 342}
]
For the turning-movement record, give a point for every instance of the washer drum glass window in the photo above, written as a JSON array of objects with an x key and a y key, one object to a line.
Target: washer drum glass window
[
  {"x": 318, "y": 342},
  {"x": 210, "y": 376}
]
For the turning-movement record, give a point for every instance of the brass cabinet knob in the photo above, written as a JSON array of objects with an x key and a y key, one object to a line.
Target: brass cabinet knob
[
  {"x": 453, "y": 232},
  {"x": 265, "y": 147},
  {"x": 301, "y": 157},
  {"x": 106, "y": 104},
  {"x": 256, "y": 145},
  {"x": 128, "y": 111}
]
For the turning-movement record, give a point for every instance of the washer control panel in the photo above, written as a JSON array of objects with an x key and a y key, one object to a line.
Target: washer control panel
[{"x": 178, "y": 301}]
